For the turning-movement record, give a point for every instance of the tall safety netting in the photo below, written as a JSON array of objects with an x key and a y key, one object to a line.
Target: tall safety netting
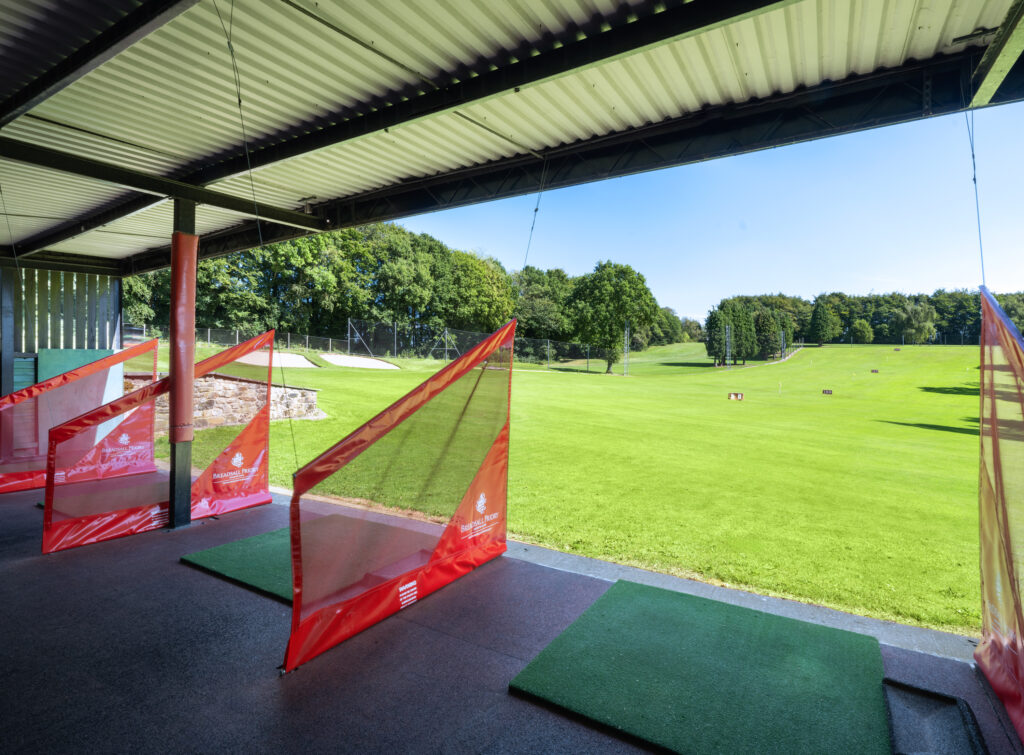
[
  {"x": 103, "y": 480},
  {"x": 440, "y": 453},
  {"x": 27, "y": 415},
  {"x": 1000, "y": 655}
]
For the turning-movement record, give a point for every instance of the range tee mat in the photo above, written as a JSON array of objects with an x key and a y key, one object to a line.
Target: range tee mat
[
  {"x": 264, "y": 562},
  {"x": 695, "y": 675}
]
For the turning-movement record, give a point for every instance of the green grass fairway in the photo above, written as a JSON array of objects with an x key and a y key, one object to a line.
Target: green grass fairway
[
  {"x": 865, "y": 500},
  {"x": 695, "y": 675}
]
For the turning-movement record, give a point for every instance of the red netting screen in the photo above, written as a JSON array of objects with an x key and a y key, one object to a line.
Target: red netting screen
[
  {"x": 26, "y": 416},
  {"x": 102, "y": 478},
  {"x": 1001, "y": 507},
  {"x": 441, "y": 453}
]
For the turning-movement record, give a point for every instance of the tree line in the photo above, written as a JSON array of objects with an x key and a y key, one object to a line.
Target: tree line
[
  {"x": 757, "y": 324},
  {"x": 385, "y": 273}
]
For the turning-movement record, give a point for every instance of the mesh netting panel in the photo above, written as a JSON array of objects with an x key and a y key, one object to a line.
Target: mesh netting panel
[
  {"x": 1001, "y": 507},
  {"x": 26, "y": 416},
  {"x": 103, "y": 481},
  {"x": 440, "y": 452}
]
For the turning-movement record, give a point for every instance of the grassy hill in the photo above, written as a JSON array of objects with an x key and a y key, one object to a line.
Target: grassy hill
[{"x": 864, "y": 500}]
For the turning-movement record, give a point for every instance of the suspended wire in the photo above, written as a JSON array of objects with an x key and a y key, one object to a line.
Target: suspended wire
[
  {"x": 969, "y": 120},
  {"x": 533, "y": 223},
  {"x": 228, "y": 30}
]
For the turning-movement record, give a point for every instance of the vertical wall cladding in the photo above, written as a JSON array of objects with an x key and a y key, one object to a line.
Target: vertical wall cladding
[{"x": 58, "y": 310}]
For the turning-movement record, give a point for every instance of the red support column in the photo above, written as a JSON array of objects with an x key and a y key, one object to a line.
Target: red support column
[{"x": 184, "y": 257}]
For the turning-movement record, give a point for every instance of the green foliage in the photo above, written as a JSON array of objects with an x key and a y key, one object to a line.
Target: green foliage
[
  {"x": 137, "y": 295},
  {"x": 692, "y": 330},
  {"x": 862, "y": 332},
  {"x": 541, "y": 309},
  {"x": 714, "y": 330},
  {"x": 769, "y": 333},
  {"x": 604, "y": 300},
  {"x": 824, "y": 325},
  {"x": 917, "y": 322}
]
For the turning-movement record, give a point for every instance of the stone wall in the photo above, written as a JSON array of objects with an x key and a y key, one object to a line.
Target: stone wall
[{"x": 226, "y": 400}]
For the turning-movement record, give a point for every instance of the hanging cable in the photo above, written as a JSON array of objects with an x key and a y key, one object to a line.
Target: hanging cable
[
  {"x": 228, "y": 30},
  {"x": 536, "y": 208},
  {"x": 969, "y": 120}
]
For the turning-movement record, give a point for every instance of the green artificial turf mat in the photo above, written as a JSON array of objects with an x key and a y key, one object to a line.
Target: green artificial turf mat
[
  {"x": 372, "y": 550},
  {"x": 696, "y": 675},
  {"x": 263, "y": 562}
]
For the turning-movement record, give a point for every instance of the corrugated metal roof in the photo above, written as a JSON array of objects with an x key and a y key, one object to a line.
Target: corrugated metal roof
[{"x": 168, "y": 103}]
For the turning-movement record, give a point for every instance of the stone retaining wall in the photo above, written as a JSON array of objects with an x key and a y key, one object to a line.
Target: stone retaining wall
[{"x": 227, "y": 400}]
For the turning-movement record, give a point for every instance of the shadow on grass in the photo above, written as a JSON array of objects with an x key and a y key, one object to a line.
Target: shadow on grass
[
  {"x": 688, "y": 364},
  {"x": 925, "y": 426},
  {"x": 970, "y": 389}
]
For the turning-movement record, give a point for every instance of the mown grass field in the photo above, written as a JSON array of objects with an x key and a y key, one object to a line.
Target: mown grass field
[{"x": 865, "y": 500}]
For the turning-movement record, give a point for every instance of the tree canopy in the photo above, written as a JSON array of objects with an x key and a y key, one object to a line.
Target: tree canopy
[
  {"x": 384, "y": 273},
  {"x": 602, "y": 302}
]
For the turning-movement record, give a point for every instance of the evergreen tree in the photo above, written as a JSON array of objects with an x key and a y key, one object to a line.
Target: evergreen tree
[{"x": 824, "y": 325}]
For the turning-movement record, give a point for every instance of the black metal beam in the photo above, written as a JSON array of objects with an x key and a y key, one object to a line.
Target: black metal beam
[
  {"x": 145, "y": 19},
  {"x": 71, "y": 263},
  {"x": 569, "y": 55},
  {"x": 1000, "y": 57},
  {"x": 911, "y": 92},
  {"x": 44, "y": 157}
]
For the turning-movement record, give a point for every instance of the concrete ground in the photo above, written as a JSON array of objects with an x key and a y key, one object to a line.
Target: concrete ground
[{"x": 118, "y": 647}]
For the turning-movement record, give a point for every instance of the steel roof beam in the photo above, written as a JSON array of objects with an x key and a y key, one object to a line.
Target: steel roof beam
[
  {"x": 143, "y": 20},
  {"x": 147, "y": 183},
  {"x": 677, "y": 22},
  {"x": 1000, "y": 56}
]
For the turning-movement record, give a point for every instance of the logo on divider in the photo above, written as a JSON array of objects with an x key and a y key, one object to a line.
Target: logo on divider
[
  {"x": 125, "y": 439},
  {"x": 237, "y": 460},
  {"x": 481, "y": 503}
]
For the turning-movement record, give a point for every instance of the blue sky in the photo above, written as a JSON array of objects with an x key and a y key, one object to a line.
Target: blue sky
[{"x": 890, "y": 209}]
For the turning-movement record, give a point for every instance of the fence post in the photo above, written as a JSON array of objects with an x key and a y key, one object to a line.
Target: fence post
[
  {"x": 348, "y": 335},
  {"x": 289, "y": 339},
  {"x": 549, "y": 353},
  {"x": 236, "y": 338},
  {"x": 394, "y": 332},
  {"x": 329, "y": 349},
  {"x": 208, "y": 341},
  {"x": 307, "y": 342},
  {"x": 446, "y": 343},
  {"x": 588, "y": 357}
]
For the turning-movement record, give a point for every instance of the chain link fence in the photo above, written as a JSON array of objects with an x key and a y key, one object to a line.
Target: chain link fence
[{"x": 384, "y": 340}]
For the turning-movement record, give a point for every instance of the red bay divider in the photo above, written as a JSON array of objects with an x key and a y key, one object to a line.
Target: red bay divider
[
  {"x": 441, "y": 450},
  {"x": 102, "y": 478}
]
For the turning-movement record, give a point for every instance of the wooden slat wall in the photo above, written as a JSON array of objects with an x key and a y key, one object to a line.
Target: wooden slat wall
[{"x": 54, "y": 310}]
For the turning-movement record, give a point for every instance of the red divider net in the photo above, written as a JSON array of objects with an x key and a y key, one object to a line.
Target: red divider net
[
  {"x": 102, "y": 478},
  {"x": 1001, "y": 507},
  {"x": 26, "y": 416},
  {"x": 441, "y": 452}
]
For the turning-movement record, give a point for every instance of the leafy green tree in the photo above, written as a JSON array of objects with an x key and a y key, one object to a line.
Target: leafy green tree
[
  {"x": 917, "y": 322},
  {"x": 769, "y": 332},
  {"x": 541, "y": 308},
  {"x": 714, "y": 330},
  {"x": 604, "y": 300},
  {"x": 137, "y": 300},
  {"x": 861, "y": 330},
  {"x": 667, "y": 328},
  {"x": 824, "y": 325},
  {"x": 692, "y": 329},
  {"x": 744, "y": 335}
]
